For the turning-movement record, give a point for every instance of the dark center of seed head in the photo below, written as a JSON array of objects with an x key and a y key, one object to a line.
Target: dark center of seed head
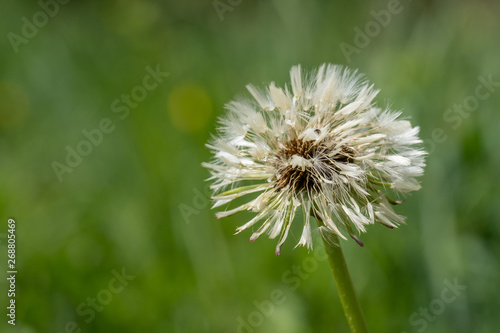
[{"x": 307, "y": 179}]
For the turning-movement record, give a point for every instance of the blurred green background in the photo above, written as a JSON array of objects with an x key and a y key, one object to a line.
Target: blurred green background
[{"x": 135, "y": 205}]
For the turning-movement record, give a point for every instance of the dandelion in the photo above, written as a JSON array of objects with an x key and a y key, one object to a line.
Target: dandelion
[{"x": 323, "y": 148}]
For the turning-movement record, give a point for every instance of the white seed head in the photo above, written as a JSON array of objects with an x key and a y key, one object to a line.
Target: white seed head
[{"x": 323, "y": 147}]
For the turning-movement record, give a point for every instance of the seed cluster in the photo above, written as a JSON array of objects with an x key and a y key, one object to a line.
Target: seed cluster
[{"x": 307, "y": 179}]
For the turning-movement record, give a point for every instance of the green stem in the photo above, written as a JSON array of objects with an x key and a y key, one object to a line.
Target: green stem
[{"x": 348, "y": 298}]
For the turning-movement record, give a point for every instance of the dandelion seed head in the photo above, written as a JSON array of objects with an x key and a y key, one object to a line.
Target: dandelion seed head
[{"x": 321, "y": 146}]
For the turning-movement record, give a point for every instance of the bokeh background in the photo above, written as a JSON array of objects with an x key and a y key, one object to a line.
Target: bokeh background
[{"x": 137, "y": 203}]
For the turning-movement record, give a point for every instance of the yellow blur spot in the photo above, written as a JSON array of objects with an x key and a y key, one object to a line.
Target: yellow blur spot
[
  {"x": 14, "y": 105},
  {"x": 189, "y": 107}
]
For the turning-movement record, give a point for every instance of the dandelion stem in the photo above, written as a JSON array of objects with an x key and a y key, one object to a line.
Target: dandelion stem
[{"x": 348, "y": 298}]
